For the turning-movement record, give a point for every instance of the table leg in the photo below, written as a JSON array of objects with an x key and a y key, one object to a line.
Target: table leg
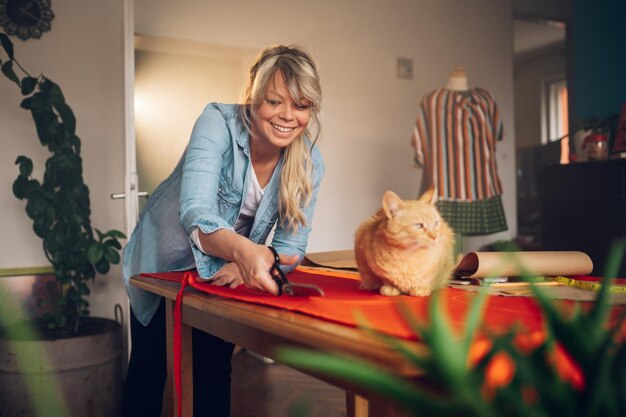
[
  {"x": 356, "y": 406},
  {"x": 381, "y": 407},
  {"x": 170, "y": 397}
]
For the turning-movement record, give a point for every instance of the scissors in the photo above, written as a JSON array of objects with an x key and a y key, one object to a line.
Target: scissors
[{"x": 291, "y": 288}]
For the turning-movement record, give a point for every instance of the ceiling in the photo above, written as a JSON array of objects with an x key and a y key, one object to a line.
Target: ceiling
[{"x": 529, "y": 36}]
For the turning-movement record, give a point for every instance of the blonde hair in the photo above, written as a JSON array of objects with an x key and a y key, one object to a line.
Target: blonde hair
[{"x": 302, "y": 80}]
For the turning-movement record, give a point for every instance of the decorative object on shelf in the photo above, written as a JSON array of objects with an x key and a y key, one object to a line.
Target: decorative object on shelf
[
  {"x": 593, "y": 138},
  {"x": 596, "y": 146},
  {"x": 25, "y": 18}
]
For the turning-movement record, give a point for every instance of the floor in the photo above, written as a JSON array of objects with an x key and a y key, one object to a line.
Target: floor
[{"x": 260, "y": 389}]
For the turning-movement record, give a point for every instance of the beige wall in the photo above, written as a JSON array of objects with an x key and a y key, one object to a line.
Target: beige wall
[
  {"x": 368, "y": 112},
  {"x": 83, "y": 53}
]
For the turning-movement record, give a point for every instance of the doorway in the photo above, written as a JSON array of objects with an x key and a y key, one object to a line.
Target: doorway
[
  {"x": 539, "y": 65},
  {"x": 174, "y": 81}
]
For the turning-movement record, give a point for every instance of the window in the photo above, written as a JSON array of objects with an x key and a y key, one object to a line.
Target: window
[{"x": 555, "y": 126}]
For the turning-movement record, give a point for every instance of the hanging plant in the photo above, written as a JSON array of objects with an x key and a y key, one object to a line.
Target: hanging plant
[{"x": 59, "y": 204}]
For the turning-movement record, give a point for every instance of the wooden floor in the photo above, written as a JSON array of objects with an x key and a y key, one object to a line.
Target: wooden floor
[{"x": 272, "y": 390}]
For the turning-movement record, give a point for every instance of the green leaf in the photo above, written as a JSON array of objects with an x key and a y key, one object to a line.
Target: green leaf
[
  {"x": 372, "y": 379},
  {"x": 7, "y": 45},
  {"x": 602, "y": 305},
  {"x": 25, "y": 165},
  {"x": 418, "y": 361},
  {"x": 67, "y": 116},
  {"x": 116, "y": 234},
  {"x": 444, "y": 342},
  {"x": 102, "y": 266},
  {"x": 20, "y": 187},
  {"x": 26, "y": 103},
  {"x": 111, "y": 255},
  {"x": 472, "y": 321},
  {"x": 7, "y": 70},
  {"x": 28, "y": 85},
  {"x": 95, "y": 253},
  {"x": 114, "y": 243}
]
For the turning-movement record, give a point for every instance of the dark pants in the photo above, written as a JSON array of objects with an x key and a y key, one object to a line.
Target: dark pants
[{"x": 147, "y": 371}]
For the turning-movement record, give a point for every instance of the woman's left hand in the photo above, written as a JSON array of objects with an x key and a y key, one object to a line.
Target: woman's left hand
[{"x": 228, "y": 276}]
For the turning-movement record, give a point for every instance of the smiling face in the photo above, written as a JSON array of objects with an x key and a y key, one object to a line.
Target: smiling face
[{"x": 279, "y": 119}]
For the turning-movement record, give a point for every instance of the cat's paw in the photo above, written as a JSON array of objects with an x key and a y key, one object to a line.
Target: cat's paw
[
  {"x": 420, "y": 291},
  {"x": 389, "y": 290}
]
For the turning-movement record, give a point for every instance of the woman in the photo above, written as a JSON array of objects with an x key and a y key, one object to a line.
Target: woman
[{"x": 246, "y": 169}]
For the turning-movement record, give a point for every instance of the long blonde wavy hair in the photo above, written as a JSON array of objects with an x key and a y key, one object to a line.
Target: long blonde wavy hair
[{"x": 300, "y": 75}]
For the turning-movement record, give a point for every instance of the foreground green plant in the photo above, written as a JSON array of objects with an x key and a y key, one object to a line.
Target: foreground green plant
[
  {"x": 577, "y": 368},
  {"x": 59, "y": 205}
]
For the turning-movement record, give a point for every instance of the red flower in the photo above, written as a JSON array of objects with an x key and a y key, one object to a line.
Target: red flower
[
  {"x": 499, "y": 373},
  {"x": 478, "y": 350},
  {"x": 528, "y": 342},
  {"x": 567, "y": 368}
]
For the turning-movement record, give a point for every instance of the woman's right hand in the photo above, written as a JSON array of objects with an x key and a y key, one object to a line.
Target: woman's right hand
[{"x": 254, "y": 263}]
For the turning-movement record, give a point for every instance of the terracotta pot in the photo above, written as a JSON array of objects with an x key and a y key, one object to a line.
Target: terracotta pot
[{"x": 77, "y": 376}]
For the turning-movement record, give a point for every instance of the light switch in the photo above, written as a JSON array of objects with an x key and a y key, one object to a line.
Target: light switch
[{"x": 404, "y": 68}]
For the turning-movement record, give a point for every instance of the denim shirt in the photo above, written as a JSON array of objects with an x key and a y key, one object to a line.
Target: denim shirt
[{"x": 206, "y": 191}]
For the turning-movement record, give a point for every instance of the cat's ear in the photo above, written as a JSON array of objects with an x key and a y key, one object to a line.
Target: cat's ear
[
  {"x": 391, "y": 203},
  {"x": 429, "y": 196}
]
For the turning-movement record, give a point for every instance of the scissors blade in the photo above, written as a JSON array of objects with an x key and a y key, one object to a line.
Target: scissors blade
[{"x": 302, "y": 290}]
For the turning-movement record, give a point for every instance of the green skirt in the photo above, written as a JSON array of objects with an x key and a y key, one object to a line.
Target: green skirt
[{"x": 480, "y": 217}]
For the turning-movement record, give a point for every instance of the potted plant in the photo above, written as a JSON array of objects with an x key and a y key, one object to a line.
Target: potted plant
[{"x": 59, "y": 206}]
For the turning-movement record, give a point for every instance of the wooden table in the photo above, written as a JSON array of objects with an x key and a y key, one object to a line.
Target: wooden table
[{"x": 263, "y": 329}]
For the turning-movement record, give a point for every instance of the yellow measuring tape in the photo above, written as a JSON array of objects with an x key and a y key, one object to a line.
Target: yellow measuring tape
[{"x": 588, "y": 285}]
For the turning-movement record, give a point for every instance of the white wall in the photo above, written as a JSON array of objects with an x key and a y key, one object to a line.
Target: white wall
[
  {"x": 367, "y": 112},
  {"x": 83, "y": 53}
]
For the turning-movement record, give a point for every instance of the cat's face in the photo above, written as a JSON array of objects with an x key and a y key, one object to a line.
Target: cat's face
[{"x": 412, "y": 223}]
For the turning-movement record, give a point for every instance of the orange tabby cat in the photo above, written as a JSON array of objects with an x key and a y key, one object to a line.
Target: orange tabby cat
[{"x": 405, "y": 248}]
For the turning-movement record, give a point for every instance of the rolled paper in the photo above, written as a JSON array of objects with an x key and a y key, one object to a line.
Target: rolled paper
[{"x": 514, "y": 264}]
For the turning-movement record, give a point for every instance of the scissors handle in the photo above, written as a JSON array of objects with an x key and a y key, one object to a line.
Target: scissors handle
[
  {"x": 276, "y": 273},
  {"x": 289, "y": 288}
]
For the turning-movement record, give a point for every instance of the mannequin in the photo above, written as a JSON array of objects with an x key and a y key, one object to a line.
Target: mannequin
[
  {"x": 454, "y": 139},
  {"x": 457, "y": 80}
]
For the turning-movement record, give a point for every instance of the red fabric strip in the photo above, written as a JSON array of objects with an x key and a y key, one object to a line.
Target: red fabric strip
[{"x": 178, "y": 342}]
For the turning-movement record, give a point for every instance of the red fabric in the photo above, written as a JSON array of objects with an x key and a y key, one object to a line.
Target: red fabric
[
  {"x": 616, "y": 281},
  {"x": 178, "y": 343},
  {"x": 343, "y": 300}
]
